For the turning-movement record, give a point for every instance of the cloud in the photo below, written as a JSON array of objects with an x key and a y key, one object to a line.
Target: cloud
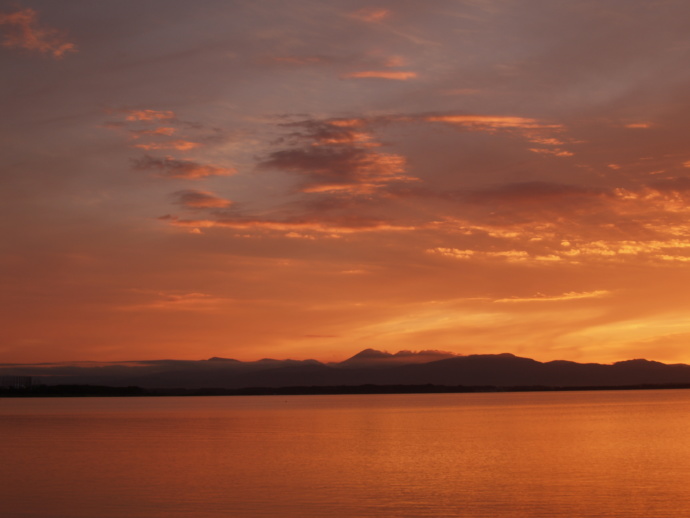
[
  {"x": 358, "y": 134},
  {"x": 169, "y": 167},
  {"x": 484, "y": 122},
  {"x": 381, "y": 74},
  {"x": 347, "y": 169},
  {"x": 533, "y": 204},
  {"x": 297, "y": 235},
  {"x": 193, "y": 199},
  {"x": 158, "y": 132},
  {"x": 543, "y": 133},
  {"x": 351, "y": 185},
  {"x": 515, "y": 256},
  {"x": 168, "y": 301},
  {"x": 533, "y": 193},
  {"x": 350, "y": 225},
  {"x": 372, "y": 14},
  {"x": 541, "y": 223},
  {"x": 179, "y": 145},
  {"x": 24, "y": 32},
  {"x": 319, "y": 130},
  {"x": 546, "y": 141},
  {"x": 554, "y": 152},
  {"x": 148, "y": 115},
  {"x": 547, "y": 135},
  {"x": 337, "y": 155},
  {"x": 344, "y": 180},
  {"x": 571, "y": 295},
  {"x": 162, "y": 129},
  {"x": 677, "y": 186}
]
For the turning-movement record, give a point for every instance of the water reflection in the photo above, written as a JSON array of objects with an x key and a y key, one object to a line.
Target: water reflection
[{"x": 587, "y": 454}]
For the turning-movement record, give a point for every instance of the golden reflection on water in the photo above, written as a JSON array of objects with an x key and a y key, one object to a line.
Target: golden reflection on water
[{"x": 571, "y": 454}]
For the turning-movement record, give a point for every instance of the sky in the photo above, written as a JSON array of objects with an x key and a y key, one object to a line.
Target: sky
[{"x": 307, "y": 179}]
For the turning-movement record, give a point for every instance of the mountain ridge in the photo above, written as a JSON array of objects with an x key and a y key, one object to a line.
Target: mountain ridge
[{"x": 369, "y": 366}]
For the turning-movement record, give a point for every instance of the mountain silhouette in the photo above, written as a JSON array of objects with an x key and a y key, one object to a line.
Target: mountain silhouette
[
  {"x": 367, "y": 367},
  {"x": 374, "y": 358}
]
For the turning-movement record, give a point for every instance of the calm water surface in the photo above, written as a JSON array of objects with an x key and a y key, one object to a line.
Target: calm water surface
[{"x": 567, "y": 454}]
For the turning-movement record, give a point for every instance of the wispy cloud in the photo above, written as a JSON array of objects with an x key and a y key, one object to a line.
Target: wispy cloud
[
  {"x": 180, "y": 302},
  {"x": 571, "y": 295},
  {"x": 491, "y": 121},
  {"x": 169, "y": 167},
  {"x": 194, "y": 199},
  {"x": 514, "y": 256},
  {"x": 163, "y": 131},
  {"x": 639, "y": 125},
  {"x": 23, "y": 31},
  {"x": 382, "y": 74},
  {"x": 350, "y": 225},
  {"x": 148, "y": 115},
  {"x": 554, "y": 152},
  {"x": 179, "y": 145},
  {"x": 372, "y": 14}
]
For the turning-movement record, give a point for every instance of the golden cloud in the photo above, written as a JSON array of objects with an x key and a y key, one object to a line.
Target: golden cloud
[
  {"x": 179, "y": 145},
  {"x": 24, "y": 32},
  {"x": 382, "y": 74},
  {"x": 506, "y": 255},
  {"x": 538, "y": 223},
  {"x": 554, "y": 152},
  {"x": 148, "y": 115},
  {"x": 194, "y": 199},
  {"x": 290, "y": 226},
  {"x": 571, "y": 295},
  {"x": 491, "y": 121}
]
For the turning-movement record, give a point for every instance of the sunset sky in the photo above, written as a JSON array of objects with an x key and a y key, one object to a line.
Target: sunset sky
[{"x": 307, "y": 179}]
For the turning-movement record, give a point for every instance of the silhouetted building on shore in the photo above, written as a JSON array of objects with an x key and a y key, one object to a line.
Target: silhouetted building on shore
[{"x": 15, "y": 381}]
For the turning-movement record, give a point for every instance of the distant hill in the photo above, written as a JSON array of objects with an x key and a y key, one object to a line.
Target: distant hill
[
  {"x": 374, "y": 358},
  {"x": 367, "y": 367}
]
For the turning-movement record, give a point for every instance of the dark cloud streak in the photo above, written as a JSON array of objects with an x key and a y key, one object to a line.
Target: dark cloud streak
[{"x": 169, "y": 167}]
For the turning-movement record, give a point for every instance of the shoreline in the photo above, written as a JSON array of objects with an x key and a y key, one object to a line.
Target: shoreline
[{"x": 133, "y": 391}]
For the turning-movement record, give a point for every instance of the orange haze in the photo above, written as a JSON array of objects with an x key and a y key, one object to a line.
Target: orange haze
[{"x": 293, "y": 180}]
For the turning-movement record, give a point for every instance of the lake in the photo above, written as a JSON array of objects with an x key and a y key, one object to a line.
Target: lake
[{"x": 559, "y": 454}]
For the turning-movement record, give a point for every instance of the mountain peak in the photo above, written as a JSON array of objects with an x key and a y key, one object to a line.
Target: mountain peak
[
  {"x": 381, "y": 358},
  {"x": 370, "y": 354}
]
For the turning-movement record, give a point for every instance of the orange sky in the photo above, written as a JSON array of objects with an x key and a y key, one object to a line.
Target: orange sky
[{"x": 307, "y": 179}]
